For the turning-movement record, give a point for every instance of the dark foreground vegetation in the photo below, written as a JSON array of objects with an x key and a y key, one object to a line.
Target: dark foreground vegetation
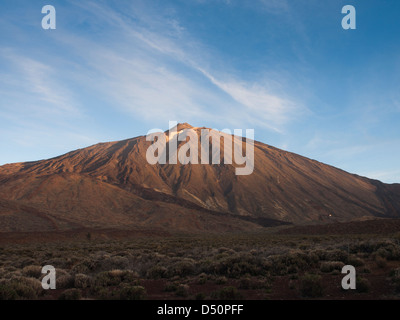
[{"x": 233, "y": 266}]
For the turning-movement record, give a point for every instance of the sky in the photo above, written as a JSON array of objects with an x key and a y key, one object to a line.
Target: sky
[{"x": 113, "y": 70}]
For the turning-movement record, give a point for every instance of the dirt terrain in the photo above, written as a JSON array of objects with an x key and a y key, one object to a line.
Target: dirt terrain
[{"x": 233, "y": 266}]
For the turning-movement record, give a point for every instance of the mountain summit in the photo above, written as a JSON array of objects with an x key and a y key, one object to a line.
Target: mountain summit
[{"x": 112, "y": 185}]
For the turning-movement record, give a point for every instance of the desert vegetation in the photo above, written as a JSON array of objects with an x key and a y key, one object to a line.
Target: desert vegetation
[{"x": 229, "y": 267}]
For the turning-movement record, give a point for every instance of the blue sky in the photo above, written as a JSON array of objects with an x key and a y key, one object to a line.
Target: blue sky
[{"x": 115, "y": 69}]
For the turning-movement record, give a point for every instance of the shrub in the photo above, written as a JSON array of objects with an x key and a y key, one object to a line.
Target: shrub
[
  {"x": 128, "y": 292},
  {"x": 276, "y": 266},
  {"x": 365, "y": 270},
  {"x": 183, "y": 268},
  {"x": 24, "y": 262},
  {"x": 237, "y": 265},
  {"x": 329, "y": 266},
  {"x": 396, "y": 285},
  {"x": 7, "y": 292},
  {"x": 253, "y": 284},
  {"x": 157, "y": 272},
  {"x": 33, "y": 283},
  {"x": 355, "y": 261},
  {"x": 227, "y": 293},
  {"x": 114, "y": 277},
  {"x": 245, "y": 283},
  {"x": 337, "y": 255},
  {"x": 14, "y": 289},
  {"x": 202, "y": 279},
  {"x": 86, "y": 266},
  {"x": 32, "y": 271},
  {"x": 299, "y": 261},
  {"x": 70, "y": 294},
  {"x": 395, "y": 277},
  {"x": 112, "y": 263},
  {"x": 388, "y": 249},
  {"x": 182, "y": 290},
  {"x": 82, "y": 281},
  {"x": 200, "y": 296},
  {"x": 362, "y": 285},
  {"x": 170, "y": 287},
  {"x": 380, "y": 261},
  {"x": 65, "y": 282},
  {"x": 221, "y": 280},
  {"x": 310, "y": 286},
  {"x": 20, "y": 288}
]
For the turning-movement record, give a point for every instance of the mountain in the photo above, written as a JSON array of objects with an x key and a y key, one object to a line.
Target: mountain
[{"x": 112, "y": 185}]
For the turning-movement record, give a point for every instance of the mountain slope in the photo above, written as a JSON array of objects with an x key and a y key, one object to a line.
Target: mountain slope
[{"x": 112, "y": 184}]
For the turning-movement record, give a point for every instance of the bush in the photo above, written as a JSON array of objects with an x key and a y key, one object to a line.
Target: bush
[
  {"x": 170, "y": 287},
  {"x": 337, "y": 255},
  {"x": 157, "y": 272},
  {"x": 202, "y": 279},
  {"x": 221, "y": 280},
  {"x": 253, "y": 284},
  {"x": 380, "y": 261},
  {"x": 32, "y": 271},
  {"x": 14, "y": 289},
  {"x": 310, "y": 286},
  {"x": 112, "y": 263},
  {"x": 70, "y": 294},
  {"x": 128, "y": 292},
  {"x": 82, "y": 281},
  {"x": 237, "y": 265},
  {"x": 395, "y": 275},
  {"x": 114, "y": 278},
  {"x": 200, "y": 296},
  {"x": 388, "y": 250},
  {"x": 65, "y": 282},
  {"x": 20, "y": 288},
  {"x": 7, "y": 292},
  {"x": 183, "y": 268},
  {"x": 35, "y": 284},
  {"x": 124, "y": 291},
  {"x": 227, "y": 293},
  {"x": 329, "y": 266},
  {"x": 24, "y": 262},
  {"x": 355, "y": 261},
  {"x": 182, "y": 290},
  {"x": 245, "y": 283},
  {"x": 86, "y": 266},
  {"x": 362, "y": 285}
]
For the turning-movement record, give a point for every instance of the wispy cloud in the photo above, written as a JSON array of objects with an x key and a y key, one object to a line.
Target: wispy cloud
[
  {"x": 143, "y": 63},
  {"x": 38, "y": 81},
  {"x": 389, "y": 176},
  {"x": 262, "y": 107},
  {"x": 164, "y": 74}
]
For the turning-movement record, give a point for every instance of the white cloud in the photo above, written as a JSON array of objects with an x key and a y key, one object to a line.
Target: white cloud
[
  {"x": 261, "y": 106},
  {"x": 161, "y": 75},
  {"x": 388, "y": 176},
  {"x": 142, "y": 64},
  {"x": 41, "y": 89}
]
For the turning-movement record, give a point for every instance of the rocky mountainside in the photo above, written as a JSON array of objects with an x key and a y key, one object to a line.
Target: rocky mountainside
[{"x": 112, "y": 185}]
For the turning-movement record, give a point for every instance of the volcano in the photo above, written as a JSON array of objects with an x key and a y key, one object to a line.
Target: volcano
[{"x": 112, "y": 185}]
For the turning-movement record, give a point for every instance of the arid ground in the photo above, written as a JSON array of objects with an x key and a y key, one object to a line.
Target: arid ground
[{"x": 277, "y": 263}]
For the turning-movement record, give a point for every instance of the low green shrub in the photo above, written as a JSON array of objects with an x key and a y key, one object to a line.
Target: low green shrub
[
  {"x": 362, "y": 285},
  {"x": 329, "y": 266},
  {"x": 227, "y": 293},
  {"x": 71, "y": 294},
  {"x": 311, "y": 286}
]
